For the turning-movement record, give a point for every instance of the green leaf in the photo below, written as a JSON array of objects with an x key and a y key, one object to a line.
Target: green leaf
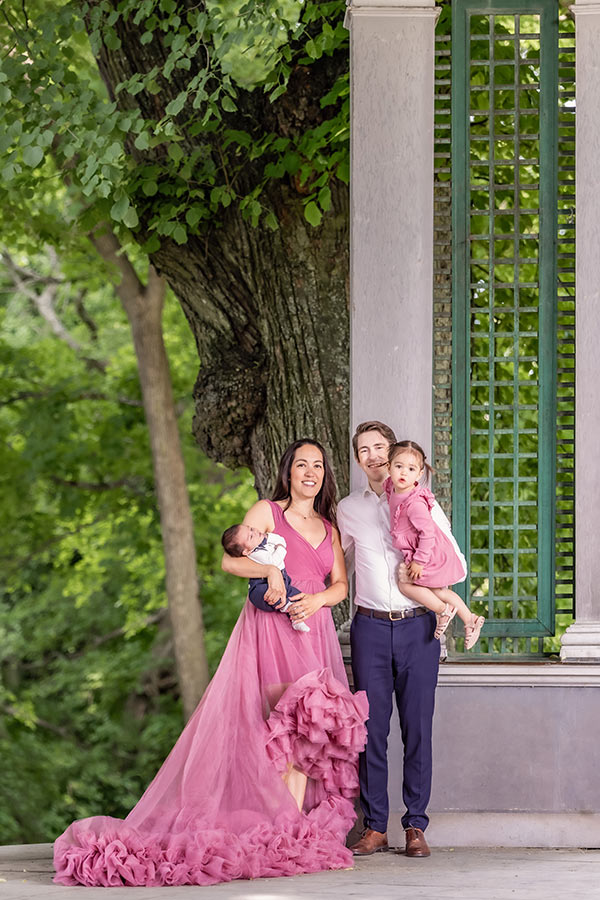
[
  {"x": 175, "y": 153},
  {"x": 112, "y": 40},
  {"x": 119, "y": 208},
  {"x": 142, "y": 141},
  {"x": 193, "y": 216},
  {"x": 343, "y": 171},
  {"x": 311, "y": 49},
  {"x": 150, "y": 188},
  {"x": 291, "y": 162},
  {"x": 271, "y": 221},
  {"x": 8, "y": 172},
  {"x": 313, "y": 214},
  {"x": 228, "y": 104},
  {"x": 325, "y": 198},
  {"x": 130, "y": 219},
  {"x": 180, "y": 234},
  {"x": 279, "y": 90},
  {"x": 33, "y": 155},
  {"x": 176, "y": 105}
]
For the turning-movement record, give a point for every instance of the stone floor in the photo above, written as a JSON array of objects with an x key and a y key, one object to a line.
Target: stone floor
[{"x": 460, "y": 874}]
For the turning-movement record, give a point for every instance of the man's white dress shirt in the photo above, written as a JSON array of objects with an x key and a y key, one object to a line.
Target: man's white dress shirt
[{"x": 364, "y": 522}]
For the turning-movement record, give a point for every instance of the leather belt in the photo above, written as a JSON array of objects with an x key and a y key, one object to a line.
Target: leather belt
[{"x": 394, "y": 615}]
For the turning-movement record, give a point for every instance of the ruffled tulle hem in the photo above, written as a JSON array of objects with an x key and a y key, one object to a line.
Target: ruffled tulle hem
[
  {"x": 319, "y": 727},
  {"x": 105, "y": 852}
]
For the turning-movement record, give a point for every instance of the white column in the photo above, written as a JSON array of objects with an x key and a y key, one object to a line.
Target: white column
[
  {"x": 582, "y": 639},
  {"x": 391, "y": 196}
]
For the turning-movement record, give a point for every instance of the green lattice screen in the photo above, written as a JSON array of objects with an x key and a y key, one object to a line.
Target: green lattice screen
[{"x": 504, "y": 253}]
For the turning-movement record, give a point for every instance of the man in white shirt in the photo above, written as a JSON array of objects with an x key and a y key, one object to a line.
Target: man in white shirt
[{"x": 393, "y": 653}]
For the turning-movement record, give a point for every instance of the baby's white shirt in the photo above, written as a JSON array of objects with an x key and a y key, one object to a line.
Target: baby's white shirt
[{"x": 272, "y": 553}]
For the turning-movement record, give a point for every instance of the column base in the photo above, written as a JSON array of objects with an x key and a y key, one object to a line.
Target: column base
[
  {"x": 507, "y": 829},
  {"x": 581, "y": 641}
]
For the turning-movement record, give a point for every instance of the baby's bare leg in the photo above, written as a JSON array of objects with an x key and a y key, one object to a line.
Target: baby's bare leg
[{"x": 424, "y": 596}]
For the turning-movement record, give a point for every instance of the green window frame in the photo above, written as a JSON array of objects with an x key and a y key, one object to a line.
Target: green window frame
[{"x": 504, "y": 277}]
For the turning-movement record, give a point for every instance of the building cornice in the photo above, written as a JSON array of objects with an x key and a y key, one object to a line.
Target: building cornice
[{"x": 544, "y": 674}]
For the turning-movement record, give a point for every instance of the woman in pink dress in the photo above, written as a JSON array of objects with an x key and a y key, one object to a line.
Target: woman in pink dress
[
  {"x": 259, "y": 782},
  {"x": 430, "y": 551}
]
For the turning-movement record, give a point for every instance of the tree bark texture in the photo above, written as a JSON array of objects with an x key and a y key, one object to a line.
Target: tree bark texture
[
  {"x": 144, "y": 306},
  {"x": 268, "y": 310}
]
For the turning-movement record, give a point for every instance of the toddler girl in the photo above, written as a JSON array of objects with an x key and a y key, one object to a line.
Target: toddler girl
[{"x": 431, "y": 553}]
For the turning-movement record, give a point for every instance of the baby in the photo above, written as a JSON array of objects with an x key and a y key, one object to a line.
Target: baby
[{"x": 266, "y": 548}]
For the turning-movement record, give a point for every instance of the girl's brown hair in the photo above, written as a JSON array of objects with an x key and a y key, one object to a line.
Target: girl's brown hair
[
  {"x": 412, "y": 447},
  {"x": 324, "y": 504}
]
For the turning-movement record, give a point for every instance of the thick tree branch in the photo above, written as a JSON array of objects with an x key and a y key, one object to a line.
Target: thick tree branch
[
  {"x": 44, "y": 302},
  {"x": 85, "y": 395},
  {"x": 85, "y": 316},
  {"x": 109, "y": 248},
  {"x": 99, "y": 486}
]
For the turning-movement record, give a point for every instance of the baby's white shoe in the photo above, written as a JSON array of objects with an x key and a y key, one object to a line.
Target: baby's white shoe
[{"x": 300, "y": 626}]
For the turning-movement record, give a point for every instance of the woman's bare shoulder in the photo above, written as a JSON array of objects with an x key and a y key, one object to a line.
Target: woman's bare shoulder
[{"x": 260, "y": 516}]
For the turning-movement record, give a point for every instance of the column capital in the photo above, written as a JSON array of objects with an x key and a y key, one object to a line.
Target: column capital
[
  {"x": 585, "y": 8},
  {"x": 389, "y": 8},
  {"x": 384, "y": 6}
]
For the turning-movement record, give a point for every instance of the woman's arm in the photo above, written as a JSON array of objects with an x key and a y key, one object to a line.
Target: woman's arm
[
  {"x": 331, "y": 596},
  {"x": 259, "y": 516}
]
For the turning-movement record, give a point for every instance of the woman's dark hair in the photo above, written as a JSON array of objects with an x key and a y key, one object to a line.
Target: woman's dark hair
[{"x": 324, "y": 503}]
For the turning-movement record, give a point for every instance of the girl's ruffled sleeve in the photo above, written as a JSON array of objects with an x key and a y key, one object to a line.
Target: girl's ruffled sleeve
[{"x": 419, "y": 515}]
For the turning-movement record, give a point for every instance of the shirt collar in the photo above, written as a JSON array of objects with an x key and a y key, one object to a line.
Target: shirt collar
[{"x": 368, "y": 491}]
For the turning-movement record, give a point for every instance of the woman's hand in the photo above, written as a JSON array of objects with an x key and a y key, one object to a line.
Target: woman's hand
[
  {"x": 414, "y": 570},
  {"x": 306, "y": 605},
  {"x": 275, "y": 594}
]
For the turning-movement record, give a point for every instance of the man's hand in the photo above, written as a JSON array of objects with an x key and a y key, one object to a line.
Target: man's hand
[
  {"x": 414, "y": 570},
  {"x": 402, "y": 576},
  {"x": 275, "y": 593}
]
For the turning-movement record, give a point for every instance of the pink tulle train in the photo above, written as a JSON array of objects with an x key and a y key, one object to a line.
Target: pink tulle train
[{"x": 218, "y": 808}]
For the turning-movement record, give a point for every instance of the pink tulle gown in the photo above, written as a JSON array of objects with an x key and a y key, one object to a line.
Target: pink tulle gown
[{"x": 218, "y": 808}]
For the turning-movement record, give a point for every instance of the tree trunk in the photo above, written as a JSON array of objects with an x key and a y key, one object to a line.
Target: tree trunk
[
  {"x": 143, "y": 306},
  {"x": 269, "y": 314},
  {"x": 269, "y": 310}
]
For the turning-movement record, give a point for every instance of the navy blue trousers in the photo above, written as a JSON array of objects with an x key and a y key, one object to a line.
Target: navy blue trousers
[
  {"x": 400, "y": 658},
  {"x": 257, "y": 588}
]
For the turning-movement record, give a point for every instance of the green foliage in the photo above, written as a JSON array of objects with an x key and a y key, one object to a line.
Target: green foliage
[
  {"x": 55, "y": 114},
  {"x": 88, "y": 693}
]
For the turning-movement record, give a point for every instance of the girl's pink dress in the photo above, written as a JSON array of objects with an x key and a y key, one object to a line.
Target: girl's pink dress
[
  {"x": 218, "y": 808},
  {"x": 419, "y": 538}
]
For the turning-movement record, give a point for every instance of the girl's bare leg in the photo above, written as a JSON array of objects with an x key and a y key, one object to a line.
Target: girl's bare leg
[
  {"x": 473, "y": 622},
  {"x": 424, "y": 596},
  {"x": 448, "y": 596},
  {"x": 295, "y": 782}
]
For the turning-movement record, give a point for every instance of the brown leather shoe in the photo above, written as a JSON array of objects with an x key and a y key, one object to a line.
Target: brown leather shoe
[
  {"x": 370, "y": 842},
  {"x": 416, "y": 845}
]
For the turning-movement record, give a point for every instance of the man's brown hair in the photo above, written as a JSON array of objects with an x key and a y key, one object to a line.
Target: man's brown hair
[{"x": 374, "y": 425}]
